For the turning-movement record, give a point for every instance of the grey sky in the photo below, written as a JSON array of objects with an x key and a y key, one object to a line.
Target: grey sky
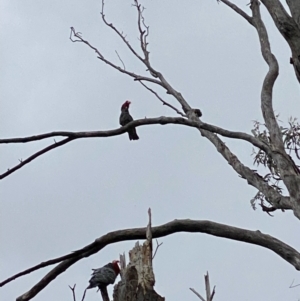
[{"x": 65, "y": 199}]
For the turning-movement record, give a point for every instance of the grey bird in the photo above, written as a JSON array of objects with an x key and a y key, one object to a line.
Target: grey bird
[
  {"x": 125, "y": 118},
  {"x": 104, "y": 276}
]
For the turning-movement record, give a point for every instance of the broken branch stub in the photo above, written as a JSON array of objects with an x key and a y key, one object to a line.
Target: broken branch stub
[{"x": 138, "y": 279}]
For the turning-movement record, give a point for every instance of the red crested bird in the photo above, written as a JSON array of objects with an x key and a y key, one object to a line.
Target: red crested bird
[
  {"x": 104, "y": 276},
  {"x": 125, "y": 118}
]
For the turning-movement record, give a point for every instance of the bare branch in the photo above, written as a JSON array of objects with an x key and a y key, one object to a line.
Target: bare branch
[
  {"x": 270, "y": 78},
  {"x": 194, "y": 226},
  {"x": 295, "y": 10},
  {"x": 274, "y": 197},
  {"x": 120, "y": 59},
  {"x": 292, "y": 286},
  {"x": 288, "y": 170},
  {"x": 213, "y": 293},
  {"x": 139, "y": 122},
  {"x": 238, "y": 10},
  {"x": 83, "y": 296},
  {"x": 197, "y": 294},
  {"x": 73, "y": 291},
  {"x": 119, "y": 34},
  {"x": 207, "y": 286},
  {"x": 74, "y": 294},
  {"x": 34, "y": 156},
  {"x": 144, "y": 32},
  {"x": 79, "y": 38},
  {"x": 157, "y": 246},
  {"x": 163, "y": 101},
  {"x": 288, "y": 27}
]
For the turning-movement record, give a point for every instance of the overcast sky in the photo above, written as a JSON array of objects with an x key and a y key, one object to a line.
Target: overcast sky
[{"x": 68, "y": 197}]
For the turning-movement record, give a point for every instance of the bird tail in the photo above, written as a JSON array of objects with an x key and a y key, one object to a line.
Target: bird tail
[
  {"x": 104, "y": 294},
  {"x": 133, "y": 135}
]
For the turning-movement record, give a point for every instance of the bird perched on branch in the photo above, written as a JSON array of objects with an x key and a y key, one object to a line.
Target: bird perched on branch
[
  {"x": 104, "y": 276},
  {"x": 125, "y": 118}
]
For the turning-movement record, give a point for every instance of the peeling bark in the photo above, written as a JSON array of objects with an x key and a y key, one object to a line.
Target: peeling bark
[{"x": 137, "y": 278}]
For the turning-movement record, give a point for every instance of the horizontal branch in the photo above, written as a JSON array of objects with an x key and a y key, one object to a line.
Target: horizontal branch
[
  {"x": 110, "y": 133},
  {"x": 193, "y": 226},
  {"x": 140, "y": 122}
]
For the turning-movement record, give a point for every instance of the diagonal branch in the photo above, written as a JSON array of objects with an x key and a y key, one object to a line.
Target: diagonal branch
[
  {"x": 163, "y": 101},
  {"x": 254, "y": 179},
  {"x": 144, "y": 32},
  {"x": 120, "y": 34},
  {"x": 238, "y": 10},
  {"x": 276, "y": 199},
  {"x": 294, "y": 7},
  {"x": 34, "y": 156},
  {"x": 193, "y": 226},
  {"x": 138, "y": 77},
  {"x": 197, "y": 294}
]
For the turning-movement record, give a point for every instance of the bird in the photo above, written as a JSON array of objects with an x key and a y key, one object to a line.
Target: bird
[
  {"x": 104, "y": 276},
  {"x": 125, "y": 118}
]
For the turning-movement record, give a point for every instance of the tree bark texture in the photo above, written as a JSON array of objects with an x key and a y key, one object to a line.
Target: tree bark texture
[{"x": 137, "y": 278}]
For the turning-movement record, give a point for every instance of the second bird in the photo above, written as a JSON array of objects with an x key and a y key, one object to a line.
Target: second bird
[{"x": 125, "y": 118}]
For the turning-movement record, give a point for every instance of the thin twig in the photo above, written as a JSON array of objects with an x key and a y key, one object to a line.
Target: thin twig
[
  {"x": 292, "y": 286},
  {"x": 111, "y": 25},
  {"x": 100, "y": 56},
  {"x": 197, "y": 294},
  {"x": 163, "y": 101},
  {"x": 157, "y": 246},
  {"x": 83, "y": 295},
  {"x": 73, "y": 291},
  {"x": 120, "y": 59},
  {"x": 213, "y": 293}
]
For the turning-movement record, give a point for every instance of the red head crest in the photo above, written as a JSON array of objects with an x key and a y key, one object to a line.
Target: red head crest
[
  {"x": 126, "y": 104},
  {"x": 116, "y": 266}
]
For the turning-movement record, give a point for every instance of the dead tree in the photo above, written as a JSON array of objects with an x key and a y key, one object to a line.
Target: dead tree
[
  {"x": 137, "y": 278},
  {"x": 276, "y": 148}
]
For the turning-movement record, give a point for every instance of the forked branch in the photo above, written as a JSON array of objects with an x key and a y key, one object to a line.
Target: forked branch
[{"x": 71, "y": 136}]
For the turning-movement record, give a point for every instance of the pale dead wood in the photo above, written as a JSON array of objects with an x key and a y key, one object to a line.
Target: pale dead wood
[
  {"x": 209, "y": 295},
  {"x": 137, "y": 283},
  {"x": 207, "y": 286},
  {"x": 197, "y": 294},
  {"x": 238, "y": 10}
]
